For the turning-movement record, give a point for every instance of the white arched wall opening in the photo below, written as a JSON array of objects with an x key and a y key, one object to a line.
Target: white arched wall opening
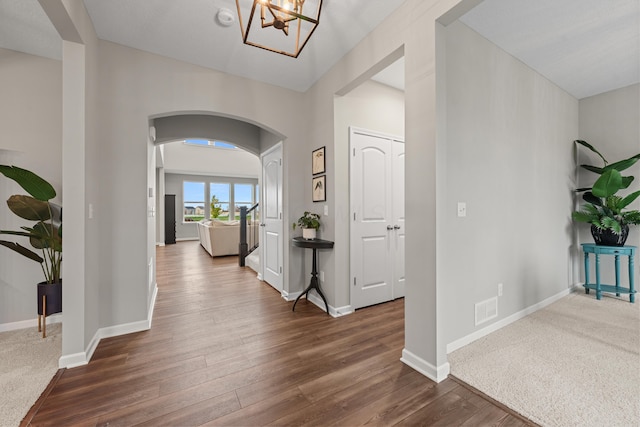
[{"x": 172, "y": 127}]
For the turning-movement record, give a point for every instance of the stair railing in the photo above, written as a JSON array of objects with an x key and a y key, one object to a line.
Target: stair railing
[{"x": 249, "y": 231}]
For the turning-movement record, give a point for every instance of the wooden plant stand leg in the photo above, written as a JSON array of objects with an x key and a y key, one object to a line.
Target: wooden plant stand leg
[{"x": 44, "y": 316}]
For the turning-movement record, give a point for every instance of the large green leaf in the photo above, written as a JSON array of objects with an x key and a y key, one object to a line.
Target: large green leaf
[
  {"x": 590, "y": 147},
  {"x": 590, "y": 198},
  {"x": 29, "y": 208},
  {"x": 629, "y": 199},
  {"x": 626, "y": 181},
  {"x": 623, "y": 164},
  {"x": 22, "y": 250},
  {"x": 608, "y": 184},
  {"x": 591, "y": 168},
  {"x": 44, "y": 236},
  {"x": 32, "y": 183}
]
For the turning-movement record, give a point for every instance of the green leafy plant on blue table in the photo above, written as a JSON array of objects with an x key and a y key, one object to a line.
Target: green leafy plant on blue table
[{"x": 605, "y": 207}]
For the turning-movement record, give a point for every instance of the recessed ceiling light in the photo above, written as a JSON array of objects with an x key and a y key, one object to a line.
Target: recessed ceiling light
[{"x": 225, "y": 17}]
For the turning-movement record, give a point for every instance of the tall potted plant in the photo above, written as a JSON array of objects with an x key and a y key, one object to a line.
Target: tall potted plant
[
  {"x": 605, "y": 208},
  {"x": 45, "y": 236}
]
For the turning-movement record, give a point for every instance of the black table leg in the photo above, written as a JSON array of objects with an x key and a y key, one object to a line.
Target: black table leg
[{"x": 313, "y": 284}]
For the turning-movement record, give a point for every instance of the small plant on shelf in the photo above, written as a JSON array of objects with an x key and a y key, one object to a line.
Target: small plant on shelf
[{"x": 310, "y": 223}]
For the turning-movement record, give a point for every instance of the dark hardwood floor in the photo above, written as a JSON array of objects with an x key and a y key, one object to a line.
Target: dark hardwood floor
[{"x": 225, "y": 349}]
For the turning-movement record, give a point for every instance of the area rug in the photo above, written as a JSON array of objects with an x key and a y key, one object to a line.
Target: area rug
[
  {"x": 573, "y": 363},
  {"x": 28, "y": 362}
]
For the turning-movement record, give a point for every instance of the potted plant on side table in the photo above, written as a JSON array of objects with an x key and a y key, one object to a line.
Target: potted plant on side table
[
  {"x": 45, "y": 235},
  {"x": 605, "y": 208},
  {"x": 309, "y": 222}
]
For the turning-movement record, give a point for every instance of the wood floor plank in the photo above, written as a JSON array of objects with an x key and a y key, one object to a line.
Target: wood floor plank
[{"x": 226, "y": 350}]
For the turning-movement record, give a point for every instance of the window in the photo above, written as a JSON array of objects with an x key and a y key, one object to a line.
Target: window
[
  {"x": 194, "y": 206},
  {"x": 220, "y": 199},
  {"x": 220, "y": 144},
  {"x": 201, "y": 142},
  {"x": 207, "y": 143},
  {"x": 242, "y": 196}
]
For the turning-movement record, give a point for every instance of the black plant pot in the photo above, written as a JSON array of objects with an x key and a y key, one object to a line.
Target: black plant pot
[
  {"x": 609, "y": 238},
  {"x": 53, "y": 291}
]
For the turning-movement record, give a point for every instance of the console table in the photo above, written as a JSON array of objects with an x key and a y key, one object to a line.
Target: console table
[
  {"x": 312, "y": 244},
  {"x": 616, "y": 251}
]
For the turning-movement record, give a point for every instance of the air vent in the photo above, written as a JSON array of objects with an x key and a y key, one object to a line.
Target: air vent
[{"x": 486, "y": 310}]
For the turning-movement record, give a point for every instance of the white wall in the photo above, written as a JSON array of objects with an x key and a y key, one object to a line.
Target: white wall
[
  {"x": 31, "y": 125},
  {"x": 609, "y": 121},
  {"x": 508, "y": 155},
  {"x": 372, "y": 106}
]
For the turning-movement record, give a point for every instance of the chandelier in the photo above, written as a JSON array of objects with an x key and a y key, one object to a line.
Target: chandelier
[{"x": 283, "y": 26}]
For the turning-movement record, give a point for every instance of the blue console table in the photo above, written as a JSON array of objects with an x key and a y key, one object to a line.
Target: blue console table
[{"x": 616, "y": 251}]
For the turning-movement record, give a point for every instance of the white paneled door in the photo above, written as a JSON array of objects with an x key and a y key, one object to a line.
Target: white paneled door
[
  {"x": 377, "y": 218},
  {"x": 272, "y": 249}
]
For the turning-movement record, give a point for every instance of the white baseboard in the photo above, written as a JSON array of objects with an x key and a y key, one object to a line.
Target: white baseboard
[
  {"x": 186, "y": 239},
  {"x": 459, "y": 343},
  {"x": 29, "y": 323},
  {"x": 317, "y": 301},
  {"x": 159, "y": 243},
  {"x": 341, "y": 311},
  {"x": 82, "y": 358},
  {"x": 436, "y": 374},
  {"x": 152, "y": 304},
  {"x": 334, "y": 312},
  {"x": 289, "y": 296}
]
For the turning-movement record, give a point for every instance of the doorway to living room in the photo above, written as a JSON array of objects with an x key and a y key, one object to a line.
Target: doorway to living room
[{"x": 209, "y": 167}]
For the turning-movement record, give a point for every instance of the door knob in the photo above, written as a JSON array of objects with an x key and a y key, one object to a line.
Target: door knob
[
  {"x": 389, "y": 227},
  {"x": 397, "y": 227},
  {"x": 263, "y": 225}
]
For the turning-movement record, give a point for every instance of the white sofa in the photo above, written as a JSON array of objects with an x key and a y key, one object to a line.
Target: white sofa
[{"x": 220, "y": 238}]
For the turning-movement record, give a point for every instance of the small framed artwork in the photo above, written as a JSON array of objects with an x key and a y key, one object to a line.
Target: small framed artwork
[
  {"x": 317, "y": 161},
  {"x": 319, "y": 189}
]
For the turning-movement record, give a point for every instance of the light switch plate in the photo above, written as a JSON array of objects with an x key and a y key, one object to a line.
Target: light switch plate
[{"x": 462, "y": 209}]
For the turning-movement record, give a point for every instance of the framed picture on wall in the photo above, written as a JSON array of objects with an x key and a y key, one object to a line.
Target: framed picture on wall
[
  {"x": 319, "y": 189},
  {"x": 317, "y": 161}
]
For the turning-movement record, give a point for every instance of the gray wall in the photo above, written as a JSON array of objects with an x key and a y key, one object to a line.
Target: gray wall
[
  {"x": 610, "y": 122},
  {"x": 174, "y": 185},
  {"x": 204, "y": 126},
  {"x": 508, "y": 155},
  {"x": 31, "y": 124}
]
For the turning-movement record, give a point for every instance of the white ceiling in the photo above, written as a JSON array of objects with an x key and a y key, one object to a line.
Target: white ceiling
[{"x": 585, "y": 46}]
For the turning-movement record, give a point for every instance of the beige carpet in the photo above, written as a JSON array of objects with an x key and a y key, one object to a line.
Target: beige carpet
[
  {"x": 573, "y": 363},
  {"x": 27, "y": 364}
]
